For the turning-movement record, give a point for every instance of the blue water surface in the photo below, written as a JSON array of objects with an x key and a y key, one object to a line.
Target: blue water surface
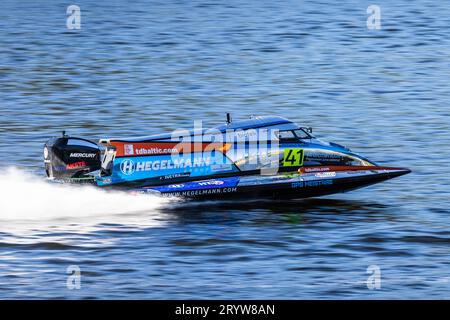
[{"x": 144, "y": 67}]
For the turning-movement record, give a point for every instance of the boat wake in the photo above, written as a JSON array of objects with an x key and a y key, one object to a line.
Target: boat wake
[{"x": 31, "y": 198}]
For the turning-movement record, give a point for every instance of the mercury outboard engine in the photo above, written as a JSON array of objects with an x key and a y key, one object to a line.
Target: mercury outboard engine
[{"x": 70, "y": 157}]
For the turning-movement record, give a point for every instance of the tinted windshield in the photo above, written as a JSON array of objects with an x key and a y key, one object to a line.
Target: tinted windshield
[
  {"x": 301, "y": 134},
  {"x": 284, "y": 135},
  {"x": 293, "y": 134}
]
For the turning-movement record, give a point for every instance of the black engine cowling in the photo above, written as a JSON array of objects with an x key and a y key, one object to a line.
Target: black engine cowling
[{"x": 70, "y": 157}]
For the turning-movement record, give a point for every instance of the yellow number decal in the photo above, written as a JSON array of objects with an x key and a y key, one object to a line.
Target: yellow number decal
[{"x": 293, "y": 157}]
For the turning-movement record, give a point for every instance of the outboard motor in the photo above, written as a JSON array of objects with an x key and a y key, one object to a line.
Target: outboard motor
[{"x": 70, "y": 157}]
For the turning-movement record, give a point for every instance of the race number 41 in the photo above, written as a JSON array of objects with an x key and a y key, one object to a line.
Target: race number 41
[{"x": 293, "y": 157}]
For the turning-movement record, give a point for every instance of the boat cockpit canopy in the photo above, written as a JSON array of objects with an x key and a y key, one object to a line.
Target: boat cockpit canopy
[{"x": 277, "y": 127}]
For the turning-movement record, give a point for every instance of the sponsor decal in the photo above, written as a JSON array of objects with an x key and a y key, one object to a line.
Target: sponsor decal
[
  {"x": 176, "y": 186},
  {"x": 314, "y": 169},
  {"x": 145, "y": 148},
  {"x": 128, "y": 167},
  {"x": 211, "y": 183},
  {"x": 151, "y": 151},
  {"x": 293, "y": 157},
  {"x": 165, "y": 148},
  {"x": 349, "y": 169},
  {"x": 325, "y": 157},
  {"x": 318, "y": 183},
  {"x": 175, "y": 176},
  {"x": 82, "y": 155},
  {"x": 298, "y": 184},
  {"x": 128, "y": 149},
  {"x": 200, "y": 185},
  {"x": 200, "y": 192},
  {"x": 325, "y": 174},
  {"x": 322, "y": 155},
  {"x": 76, "y": 165},
  {"x": 103, "y": 181}
]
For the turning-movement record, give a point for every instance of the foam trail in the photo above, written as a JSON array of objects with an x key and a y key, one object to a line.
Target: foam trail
[{"x": 26, "y": 197}]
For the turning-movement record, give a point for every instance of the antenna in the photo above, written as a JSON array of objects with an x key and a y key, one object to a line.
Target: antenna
[{"x": 228, "y": 118}]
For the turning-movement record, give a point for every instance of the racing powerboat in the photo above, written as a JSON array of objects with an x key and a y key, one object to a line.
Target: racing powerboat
[{"x": 261, "y": 157}]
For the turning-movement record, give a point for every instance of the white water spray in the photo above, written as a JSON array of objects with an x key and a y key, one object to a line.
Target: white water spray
[{"x": 27, "y": 197}]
